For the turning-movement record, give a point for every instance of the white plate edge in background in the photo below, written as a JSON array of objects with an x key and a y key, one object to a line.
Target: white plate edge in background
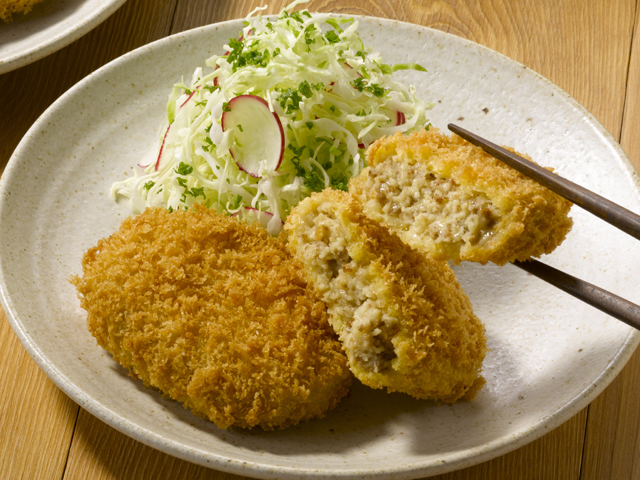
[{"x": 498, "y": 447}]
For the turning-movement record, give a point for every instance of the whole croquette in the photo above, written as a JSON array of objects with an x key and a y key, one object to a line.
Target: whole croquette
[
  {"x": 214, "y": 313},
  {"x": 9, "y": 7},
  {"x": 450, "y": 198},
  {"x": 402, "y": 317}
]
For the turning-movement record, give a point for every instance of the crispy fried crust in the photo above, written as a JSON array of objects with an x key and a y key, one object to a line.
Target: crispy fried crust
[
  {"x": 9, "y": 7},
  {"x": 214, "y": 313},
  {"x": 402, "y": 317},
  {"x": 448, "y": 197}
]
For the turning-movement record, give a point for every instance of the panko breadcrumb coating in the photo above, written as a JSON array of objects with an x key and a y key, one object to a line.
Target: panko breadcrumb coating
[
  {"x": 215, "y": 314},
  {"x": 450, "y": 198},
  {"x": 402, "y": 317},
  {"x": 9, "y": 7}
]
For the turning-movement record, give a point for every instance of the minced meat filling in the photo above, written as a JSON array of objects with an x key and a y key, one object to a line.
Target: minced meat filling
[
  {"x": 367, "y": 330},
  {"x": 421, "y": 202}
]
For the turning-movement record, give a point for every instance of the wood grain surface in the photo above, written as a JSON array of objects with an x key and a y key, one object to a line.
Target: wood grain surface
[{"x": 590, "y": 49}]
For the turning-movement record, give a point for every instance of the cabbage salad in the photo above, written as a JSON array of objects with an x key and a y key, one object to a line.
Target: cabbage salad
[{"x": 287, "y": 109}]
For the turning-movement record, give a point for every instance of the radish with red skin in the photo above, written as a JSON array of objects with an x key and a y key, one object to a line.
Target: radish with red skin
[
  {"x": 400, "y": 120},
  {"x": 258, "y": 133},
  {"x": 189, "y": 97},
  {"x": 249, "y": 142},
  {"x": 164, "y": 139},
  {"x": 162, "y": 147}
]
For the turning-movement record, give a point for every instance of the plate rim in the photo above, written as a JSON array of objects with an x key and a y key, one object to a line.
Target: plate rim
[
  {"x": 461, "y": 459},
  {"x": 62, "y": 39}
]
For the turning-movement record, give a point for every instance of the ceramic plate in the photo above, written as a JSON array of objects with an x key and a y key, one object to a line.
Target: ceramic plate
[
  {"x": 550, "y": 355},
  {"x": 49, "y": 26}
]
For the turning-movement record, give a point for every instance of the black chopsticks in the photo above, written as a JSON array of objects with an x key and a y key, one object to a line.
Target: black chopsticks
[
  {"x": 610, "y": 212},
  {"x": 619, "y": 217},
  {"x": 597, "y": 297}
]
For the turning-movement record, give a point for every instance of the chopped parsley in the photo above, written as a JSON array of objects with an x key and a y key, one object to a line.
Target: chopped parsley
[
  {"x": 307, "y": 34},
  {"x": 332, "y": 36},
  {"x": 327, "y": 88},
  {"x": 184, "y": 169},
  {"x": 305, "y": 89},
  {"x": 297, "y": 16},
  {"x": 210, "y": 145},
  {"x": 196, "y": 192},
  {"x": 312, "y": 180},
  {"x": 362, "y": 85},
  {"x": 236, "y": 202},
  {"x": 211, "y": 88},
  {"x": 236, "y": 50},
  {"x": 340, "y": 182},
  {"x": 291, "y": 95},
  {"x": 242, "y": 54}
]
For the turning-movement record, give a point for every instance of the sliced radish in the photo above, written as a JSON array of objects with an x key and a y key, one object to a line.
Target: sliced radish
[
  {"x": 400, "y": 119},
  {"x": 252, "y": 215},
  {"x": 258, "y": 132},
  {"x": 189, "y": 97},
  {"x": 164, "y": 139},
  {"x": 162, "y": 147}
]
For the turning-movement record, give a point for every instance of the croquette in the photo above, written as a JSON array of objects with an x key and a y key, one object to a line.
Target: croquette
[
  {"x": 9, "y": 7},
  {"x": 404, "y": 321},
  {"x": 215, "y": 314},
  {"x": 453, "y": 200}
]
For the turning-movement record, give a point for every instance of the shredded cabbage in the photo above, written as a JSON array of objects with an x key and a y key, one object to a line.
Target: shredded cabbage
[{"x": 332, "y": 94}]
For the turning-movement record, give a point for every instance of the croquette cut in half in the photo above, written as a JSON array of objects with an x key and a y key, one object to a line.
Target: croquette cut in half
[
  {"x": 9, "y": 7},
  {"x": 214, "y": 313},
  {"x": 450, "y": 198},
  {"x": 403, "y": 319}
]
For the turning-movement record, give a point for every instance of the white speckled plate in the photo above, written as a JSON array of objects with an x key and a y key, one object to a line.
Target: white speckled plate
[
  {"x": 49, "y": 26},
  {"x": 550, "y": 354}
]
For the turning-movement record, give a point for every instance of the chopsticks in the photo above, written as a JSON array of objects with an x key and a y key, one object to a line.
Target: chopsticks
[
  {"x": 597, "y": 297},
  {"x": 610, "y": 212}
]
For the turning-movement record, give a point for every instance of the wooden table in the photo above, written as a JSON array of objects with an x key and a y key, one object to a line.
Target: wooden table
[{"x": 591, "y": 49}]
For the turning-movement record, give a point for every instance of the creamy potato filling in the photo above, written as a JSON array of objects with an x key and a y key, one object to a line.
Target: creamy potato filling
[
  {"x": 357, "y": 314},
  {"x": 422, "y": 203}
]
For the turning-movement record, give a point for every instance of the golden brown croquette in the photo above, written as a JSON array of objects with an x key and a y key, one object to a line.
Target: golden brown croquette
[
  {"x": 402, "y": 317},
  {"x": 9, "y": 7},
  {"x": 214, "y": 313},
  {"x": 450, "y": 198}
]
